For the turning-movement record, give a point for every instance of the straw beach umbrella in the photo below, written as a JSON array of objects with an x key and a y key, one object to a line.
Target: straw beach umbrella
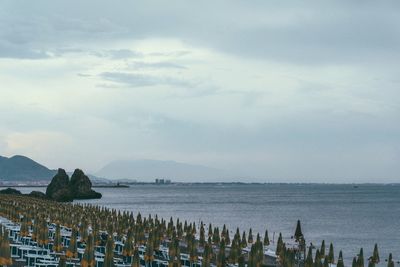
[
  {"x": 250, "y": 238},
  {"x": 390, "y": 261},
  {"x": 298, "y": 234},
  {"x": 57, "y": 246},
  {"x": 136, "y": 258},
  {"x": 206, "y": 262},
  {"x": 128, "y": 245},
  {"x": 375, "y": 254},
  {"x": 309, "y": 260},
  {"x": 62, "y": 262},
  {"x": 244, "y": 241},
  {"x": 109, "y": 257},
  {"x": 317, "y": 259},
  {"x": 202, "y": 239},
  {"x": 322, "y": 249},
  {"x": 234, "y": 252},
  {"x": 279, "y": 245},
  {"x": 221, "y": 259},
  {"x": 266, "y": 238},
  {"x": 149, "y": 252},
  {"x": 5, "y": 253},
  {"x": 72, "y": 251},
  {"x": 331, "y": 254},
  {"x": 360, "y": 259},
  {"x": 340, "y": 260},
  {"x": 24, "y": 231},
  {"x": 43, "y": 238},
  {"x": 88, "y": 259}
]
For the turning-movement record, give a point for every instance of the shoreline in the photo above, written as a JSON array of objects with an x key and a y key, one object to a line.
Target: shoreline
[{"x": 127, "y": 184}]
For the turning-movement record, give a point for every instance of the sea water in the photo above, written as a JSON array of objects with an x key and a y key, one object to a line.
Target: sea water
[{"x": 349, "y": 216}]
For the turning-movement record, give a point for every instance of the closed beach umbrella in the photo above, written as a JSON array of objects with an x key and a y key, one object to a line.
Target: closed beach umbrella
[
  {"x": 309, "y": 260},
  {"x": 221, "y": 259},
  {"x": 390, "y": 261},
  {"x": 375, "y": 255},
  {"x": 298, "y": 233},
  {"x": 250, "y": 238},
  {"x": 43, "y": 238},
  {"x": 202, "y": 239},
  {"x": 340, "y": 260},
  {"x": 360, "y": 259},
  {"x": 109, "y": 257},
  {"x": 57, "y": 246},
  {"x": 72, "y": 248},
  {"x": 136, "y": 258},
  {"x": 5, "y": 253},
  {"x": 331, "y": 255},
  {"x": 266, "y": 238},
  {"x": 88, "y": 259},
  {"x": 244, "y": 241},
  {"x": 206, "y": 256},
  {"x": 62, "y": 262},
  {"x": 322, "y": 249},
  {"x": 128, "y": 246},
  {"x": 24, "y": 231}
]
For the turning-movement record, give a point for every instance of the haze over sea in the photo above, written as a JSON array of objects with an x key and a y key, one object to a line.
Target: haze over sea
[{"x": 349, "y": 216}]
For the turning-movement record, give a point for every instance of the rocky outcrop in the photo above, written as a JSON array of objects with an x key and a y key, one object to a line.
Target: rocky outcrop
[
  {"x": 80, "y": 186},
  {"x": 58, "y": 187},
  {"x": 10, "y": 191},
  {"x": 62, "y": 189}
]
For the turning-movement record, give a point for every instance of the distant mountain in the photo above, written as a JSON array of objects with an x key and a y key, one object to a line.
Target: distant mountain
[
  {"x": 94, "y": 179},
  {"x": 21, "y": 168},
  {"x": 148, "y": 170}
]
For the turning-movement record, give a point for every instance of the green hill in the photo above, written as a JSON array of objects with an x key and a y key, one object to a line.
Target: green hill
[{"x": 21, "y": 168}]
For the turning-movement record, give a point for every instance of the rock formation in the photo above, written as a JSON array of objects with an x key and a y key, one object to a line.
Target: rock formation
[
  {"x": 58, "y": 188},
  {"x": 10, "y": 191},
  {"x": 62, "y": 189},
  {"x": 80, "y": 186}
]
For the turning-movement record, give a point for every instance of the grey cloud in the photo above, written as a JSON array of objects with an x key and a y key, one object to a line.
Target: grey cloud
[
  {"x": 334, "y": 32},
  {"x": 181, "y": 53},
  {"x": 140, "y": 80},
  {"x": 20, "y": 51},
  {"x": 156, "y": 65},
  {"x": 84, "y": 75},
  {"x": 123, "y": 54}
]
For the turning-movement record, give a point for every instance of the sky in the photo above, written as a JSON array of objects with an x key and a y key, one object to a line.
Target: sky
[{"x": 274, "y": 91}]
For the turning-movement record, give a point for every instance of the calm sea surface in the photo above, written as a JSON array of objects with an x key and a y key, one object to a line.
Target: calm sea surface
[{"x": 347, "y": 216}]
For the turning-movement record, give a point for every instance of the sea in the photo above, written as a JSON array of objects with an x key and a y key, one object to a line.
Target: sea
[{"x": 349, "y": 216}]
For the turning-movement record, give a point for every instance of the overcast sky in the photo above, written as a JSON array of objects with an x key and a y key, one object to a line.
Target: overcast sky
[{"x": 270, "y": 90}]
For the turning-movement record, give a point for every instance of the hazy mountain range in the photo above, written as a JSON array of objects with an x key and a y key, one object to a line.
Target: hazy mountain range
[
  {"x": 148, "y": 170},
  {"x": 21, "y": 168}
]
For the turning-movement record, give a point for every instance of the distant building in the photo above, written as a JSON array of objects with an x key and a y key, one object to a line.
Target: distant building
[
  {"x": 163, "y": 181},
  {"x": 160, "y": 181}
]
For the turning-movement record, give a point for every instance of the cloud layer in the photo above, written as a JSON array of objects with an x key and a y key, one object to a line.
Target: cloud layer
[{"x": 271, "y": 91}]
